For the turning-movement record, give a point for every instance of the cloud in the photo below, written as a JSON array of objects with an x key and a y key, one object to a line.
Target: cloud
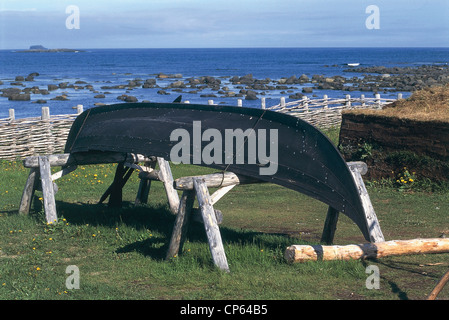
[{"x": 195, "y": 23}]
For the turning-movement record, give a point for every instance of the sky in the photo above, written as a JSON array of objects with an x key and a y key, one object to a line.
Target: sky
[{"x": 89, "y": 24}]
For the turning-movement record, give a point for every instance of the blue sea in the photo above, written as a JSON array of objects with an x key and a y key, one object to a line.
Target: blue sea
[{"x": 110, "y": 67}]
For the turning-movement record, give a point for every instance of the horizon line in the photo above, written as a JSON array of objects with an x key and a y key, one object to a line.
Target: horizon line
[{"x": 249, "y": 47}]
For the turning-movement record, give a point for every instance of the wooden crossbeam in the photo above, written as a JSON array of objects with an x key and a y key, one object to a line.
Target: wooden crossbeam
[
  {"x": 215, "y": 180},
  {"x": 66, "y": 159}
]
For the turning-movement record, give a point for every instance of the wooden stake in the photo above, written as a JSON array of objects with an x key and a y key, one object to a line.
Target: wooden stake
[
  {"x": 302, "y": 253},
  {"x": 439, "y": 286}
]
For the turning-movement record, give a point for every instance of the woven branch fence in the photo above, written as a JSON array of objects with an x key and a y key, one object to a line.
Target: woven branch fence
[
  {"x": 20, "y": 138},
  {"x": 47, "y": 134},
  {"x": 325, "y": 113}
]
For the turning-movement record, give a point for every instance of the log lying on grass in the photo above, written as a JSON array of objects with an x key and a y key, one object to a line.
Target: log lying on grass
[{"x": 302, "y": 253}]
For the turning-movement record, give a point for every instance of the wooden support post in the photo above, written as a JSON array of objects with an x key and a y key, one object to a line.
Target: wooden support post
[
  {"x": 348, "y": 101},
  {"x": 210, "y": 224},
  {"x": 362, "y": 99},
  {"x": 115, "y": 190},
  {"x": 144, "y": 186},
  {"x": 378, "y": 101},
  {"x": 143, "y": 191},
  {"x": 282, "y": 102},
  {"x": 28, "y": 191},
  {"x": 47, "y": 190},
  {"x": 167, "y": 178},
  {"x": 181, "y": 223},
  {"x": 330, "y": 225},
  {"x": 12, "y": 115},
  {"x": 357, "y": 169}
]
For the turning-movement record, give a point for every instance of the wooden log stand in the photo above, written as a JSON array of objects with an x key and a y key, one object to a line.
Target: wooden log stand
[
  {"x": 40, "y": 174},
  {"x": 199, "y": 186},
  {"x": 191, "y": 187}
]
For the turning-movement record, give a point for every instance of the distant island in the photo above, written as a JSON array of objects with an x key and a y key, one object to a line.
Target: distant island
[{"x": 40, "y": 48}]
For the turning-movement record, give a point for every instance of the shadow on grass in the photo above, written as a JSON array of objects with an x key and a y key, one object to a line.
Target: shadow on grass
[
  {"x": 414, "y": 275},
  {"x": 160, "y": 220}
]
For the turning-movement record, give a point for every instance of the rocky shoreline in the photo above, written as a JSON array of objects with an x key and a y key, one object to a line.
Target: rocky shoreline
[{"x": 364, "y": 79}]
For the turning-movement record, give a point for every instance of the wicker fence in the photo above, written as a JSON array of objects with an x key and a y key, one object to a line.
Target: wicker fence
[
  {"x": 47, "y": 134},
  {"x": 325, "y": 113}
]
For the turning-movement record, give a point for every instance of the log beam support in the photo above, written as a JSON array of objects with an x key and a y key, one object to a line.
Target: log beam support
[
  {"x": 181, "y": 224},
  {"x": 215, "y": 180},
  {"x": 211, "y": 218},
  {"x": 48, "y": 194},
  {"x": 165, "y": 175},
  {"x": 357, "y": 170},
  {"x": 28, "y": 191},
  {"x": 210, "y": 224}
]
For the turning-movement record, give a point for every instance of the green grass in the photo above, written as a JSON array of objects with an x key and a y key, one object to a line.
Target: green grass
[{"x": 120, "y": 253}]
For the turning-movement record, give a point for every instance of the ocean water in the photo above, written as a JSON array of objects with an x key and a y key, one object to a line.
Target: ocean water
[{"x": 109, "y": 67}]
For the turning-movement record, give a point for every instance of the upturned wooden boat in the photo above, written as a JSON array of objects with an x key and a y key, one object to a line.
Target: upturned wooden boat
[{"x": 306, "y": 160}]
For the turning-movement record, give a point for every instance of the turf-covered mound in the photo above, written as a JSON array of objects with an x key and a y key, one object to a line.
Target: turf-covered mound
[{"x": 408, "y": 136}]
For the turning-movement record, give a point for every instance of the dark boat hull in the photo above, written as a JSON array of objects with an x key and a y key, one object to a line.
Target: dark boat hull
[{"x": 307, "y": 161}]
